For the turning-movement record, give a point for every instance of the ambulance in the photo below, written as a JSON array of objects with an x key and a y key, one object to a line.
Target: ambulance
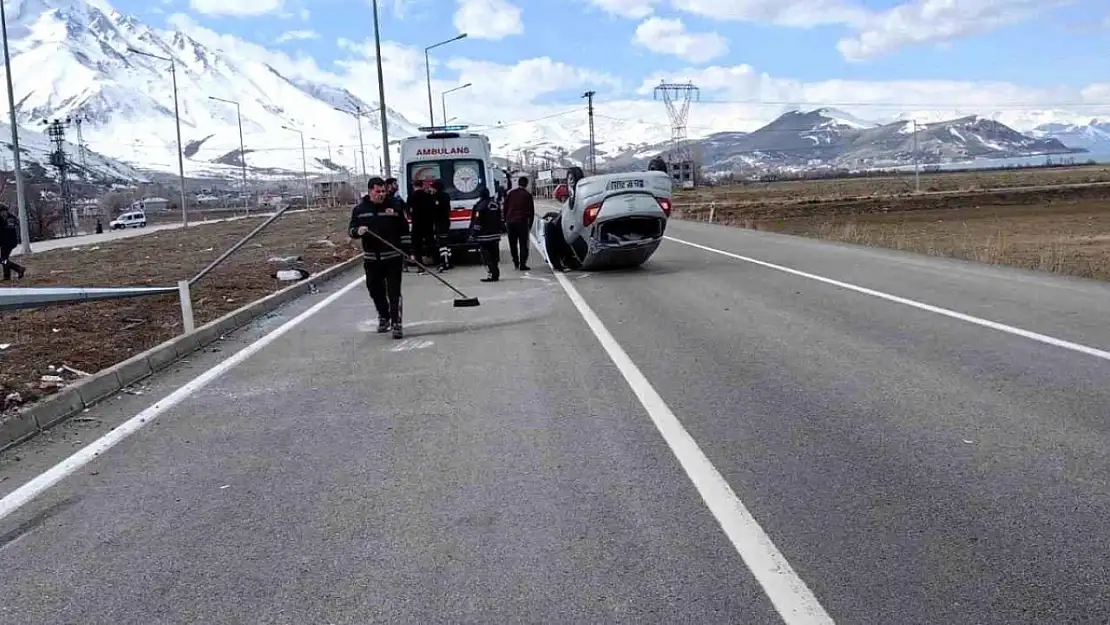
[{"x": 462, "y": 160}]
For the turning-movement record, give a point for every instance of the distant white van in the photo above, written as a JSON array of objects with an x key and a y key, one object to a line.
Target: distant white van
[{"x": 130, "y": 219}]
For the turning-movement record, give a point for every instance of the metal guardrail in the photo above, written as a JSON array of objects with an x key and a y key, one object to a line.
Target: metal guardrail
[{"x": 37, "y": 297}]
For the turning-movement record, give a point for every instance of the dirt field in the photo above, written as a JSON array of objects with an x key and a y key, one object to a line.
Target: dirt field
[
  {"x": 91, "y": 336},
  {"x": 1062, "y": 230},
  {"x": 795, "y": 191}
]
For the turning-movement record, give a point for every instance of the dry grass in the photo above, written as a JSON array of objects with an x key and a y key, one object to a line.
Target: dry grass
[
  {"x": 887, "y": 186},
  {"x": 95, "y": 335},
  {"x": 1071, "y": 239}
]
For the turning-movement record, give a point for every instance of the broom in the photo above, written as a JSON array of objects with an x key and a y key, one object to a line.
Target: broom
[{"x": 461, "y": 302}]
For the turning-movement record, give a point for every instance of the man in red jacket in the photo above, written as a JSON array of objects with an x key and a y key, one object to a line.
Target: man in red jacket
[{"x": 520, "y": 213}]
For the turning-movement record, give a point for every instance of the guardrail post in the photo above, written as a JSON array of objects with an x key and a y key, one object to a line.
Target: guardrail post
[
  {"x": 186, "y": 306},
  {"x": 712, "y": 211}
]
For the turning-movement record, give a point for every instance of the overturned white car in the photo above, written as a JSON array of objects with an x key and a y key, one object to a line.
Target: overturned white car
[{"x": 607, "y": 221}]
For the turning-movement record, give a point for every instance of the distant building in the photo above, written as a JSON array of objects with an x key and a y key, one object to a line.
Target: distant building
[
  {"x": 151, "y": 204},
  {"x": 326, "y": 191}
]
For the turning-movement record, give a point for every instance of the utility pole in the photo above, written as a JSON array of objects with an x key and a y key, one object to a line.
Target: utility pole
[
  {"x": 358, "y": 117},
  {"x": 589, "y": 95},
  {"x": 21, "y": 197},
  {"x": 177, "y": 120},
  {"x": 677, "y": 98},
  {"x": 916, "y": 161},
  {"x": 304, "y": 165},
  {"x": 381, "y": 89},
  {"x": 242, "y": 151}
]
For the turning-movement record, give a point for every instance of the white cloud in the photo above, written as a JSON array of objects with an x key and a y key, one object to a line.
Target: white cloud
[
  {"x": 297, "y": 35},
  {"x": 669, "y": 36},
  {"x": 755, "y": 97},
  {"x": 795, "y": 13},
  {"x": 488, "y": 19},
  {"x": 632, "y": 9},
  {"x": 915, "y": 22},
  {"x": 932, "y": 21},
  {"x": 236, "y": 8}
]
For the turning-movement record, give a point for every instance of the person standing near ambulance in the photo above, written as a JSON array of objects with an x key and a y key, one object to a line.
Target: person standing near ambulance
[
  {"x": 442, "y": 224},
  {"x": 377, "y": 215},
  {"x": 485, "y": 227},
  {"x": 520, "y": 215},
  {"x": 422, "y": 212}
]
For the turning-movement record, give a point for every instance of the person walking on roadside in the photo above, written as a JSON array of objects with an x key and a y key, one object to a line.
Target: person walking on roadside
[
  {"x": 520, "y": 214},
  {"x": 9, "y": 240},
  {"x": 383, "y": 265},
  {"x": 442, "y": 224},
  {"x": 485, "y": 226}
]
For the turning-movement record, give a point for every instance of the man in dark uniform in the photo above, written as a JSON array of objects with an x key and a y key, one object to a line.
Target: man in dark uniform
[
  {"x": 486, "y": 226},
  {"x": 9, "y": 240},
  {"x": 442, "y": 224},
  {"x": 383, "y": 264},
  {"x": 422, "y": 212}
]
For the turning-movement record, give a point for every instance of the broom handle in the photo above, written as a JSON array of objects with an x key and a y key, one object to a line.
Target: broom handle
[{"x": 418, "y": 263}]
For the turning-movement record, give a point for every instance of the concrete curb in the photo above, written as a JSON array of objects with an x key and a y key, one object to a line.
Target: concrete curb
[{"x": 59, "y": 407}]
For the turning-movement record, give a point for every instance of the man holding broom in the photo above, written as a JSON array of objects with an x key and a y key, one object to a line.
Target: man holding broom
[{"x": 384, "y": 231}]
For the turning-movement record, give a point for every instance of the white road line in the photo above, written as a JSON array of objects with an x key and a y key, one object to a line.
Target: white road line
[
  {"x": 793, "y": 600},
  {"x": 24, "y": 494},
  {"x": 986, "y": 323}
]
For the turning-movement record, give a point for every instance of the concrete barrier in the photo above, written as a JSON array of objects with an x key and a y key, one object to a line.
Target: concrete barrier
[{"x": 72, "y": 399}]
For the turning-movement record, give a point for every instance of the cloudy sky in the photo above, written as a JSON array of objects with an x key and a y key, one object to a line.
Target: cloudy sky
[{"x": 529, "y": 58}]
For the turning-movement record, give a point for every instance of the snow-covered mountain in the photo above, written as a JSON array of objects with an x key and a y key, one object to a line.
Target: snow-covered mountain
[
  {"x": 72, "y": 58},
  {"x": 831, "y": 138},
  {"x": 1094, "y": 135}
]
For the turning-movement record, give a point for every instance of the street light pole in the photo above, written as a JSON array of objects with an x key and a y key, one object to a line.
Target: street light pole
[
  {"x": 177, "y": 120},
  {"x": 387, "y": 169},
  {"x": 242, "y": 151},
  {"x": 443, "y": 99},
  {"x": 428, "y": 67},
  {"x": 304, "y": 165},
  {"x": 358, "y": 113},
  {"x": 331, "y": 172},
  {"x": 21, "y": 198}
]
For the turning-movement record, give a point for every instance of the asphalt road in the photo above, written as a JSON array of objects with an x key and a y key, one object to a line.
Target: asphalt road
[{"x": 496, "y": 467}]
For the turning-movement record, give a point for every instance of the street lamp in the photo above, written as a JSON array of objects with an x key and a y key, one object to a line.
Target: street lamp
[
  {"x": 357, "y": 114},
  {"x": 428, "y": 71},
  {"x": 381, "y": 89},
  {"x": 21, "y": 199},
  {"x": 443, "y": 100},
  {"x": 304, "y": 164},
  {"x": 242, "y": 150},
  {"x": 177, "y": 119},
  {"x": 331, "y": 183}
]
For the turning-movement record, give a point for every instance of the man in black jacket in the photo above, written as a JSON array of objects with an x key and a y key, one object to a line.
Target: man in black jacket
[
  {"x": 9, "y": 240},
  {"x": 485, "y": 227},
  {"x": 422, "y": 212},
  {"x": 520, "y": 214},
  {"x": 383, "y": 264}
]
